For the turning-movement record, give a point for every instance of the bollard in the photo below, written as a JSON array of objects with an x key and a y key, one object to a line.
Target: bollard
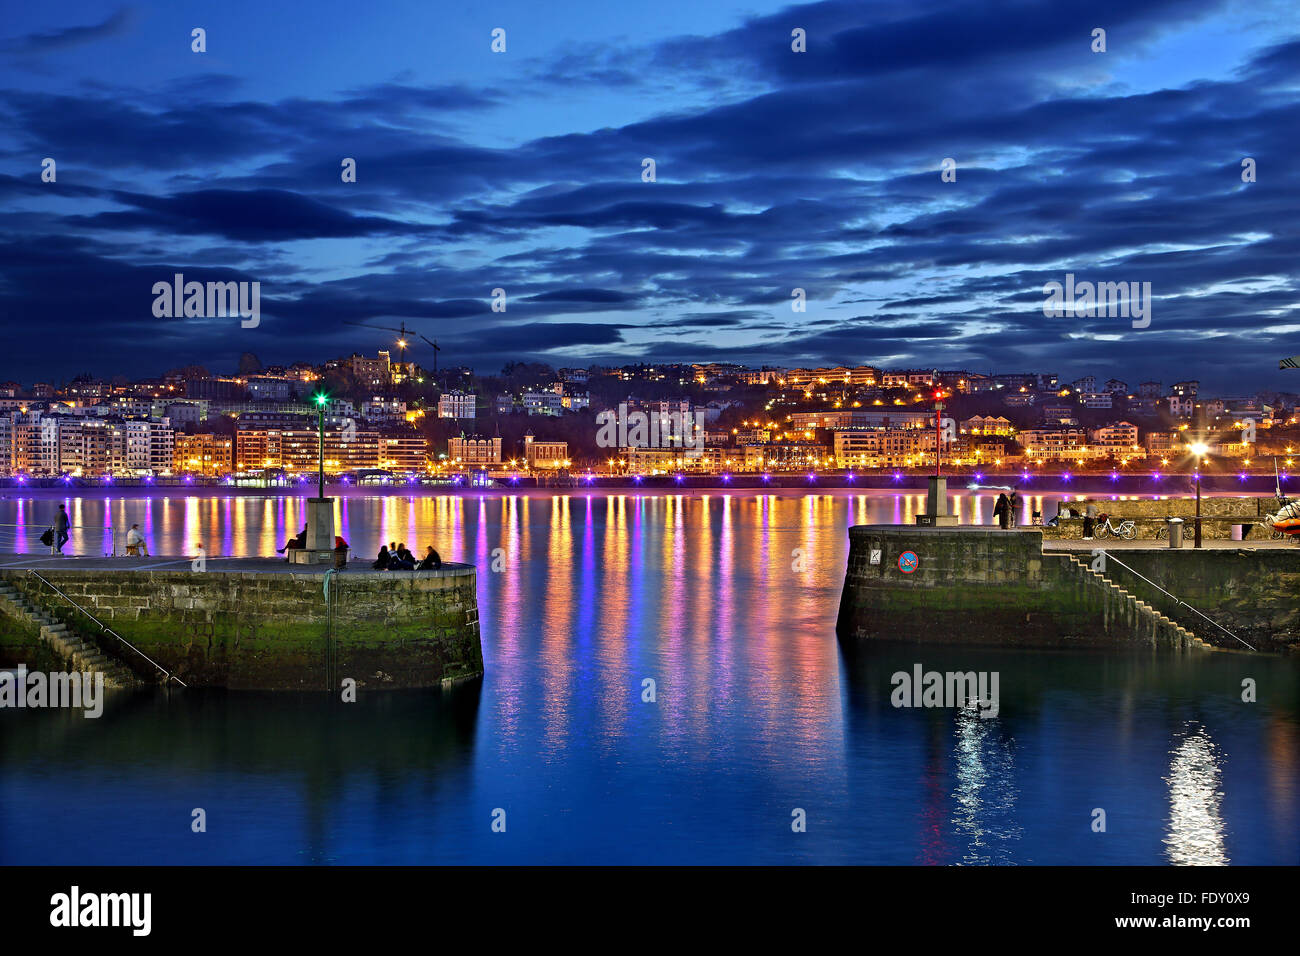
[{"x": 1175, "y": 532}]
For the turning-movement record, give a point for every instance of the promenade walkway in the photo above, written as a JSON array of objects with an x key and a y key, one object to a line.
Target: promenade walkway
[
  {"x": 1207, "y": 544},
  {"x": 130, "y": 565}
]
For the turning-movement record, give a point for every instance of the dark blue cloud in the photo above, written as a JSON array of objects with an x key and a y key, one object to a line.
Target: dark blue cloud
[{"x": 775, "y": 171}]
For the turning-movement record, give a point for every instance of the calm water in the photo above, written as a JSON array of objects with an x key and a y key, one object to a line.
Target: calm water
[{"x": 728, "y": 603}]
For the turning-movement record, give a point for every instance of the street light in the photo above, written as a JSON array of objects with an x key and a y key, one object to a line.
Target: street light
[
  {"x": 1198, "y": 449},
  {"x": 321, "y": 399}
]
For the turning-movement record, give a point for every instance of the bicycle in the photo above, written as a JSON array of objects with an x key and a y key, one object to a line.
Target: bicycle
[{"x": 1125, "y": 529}]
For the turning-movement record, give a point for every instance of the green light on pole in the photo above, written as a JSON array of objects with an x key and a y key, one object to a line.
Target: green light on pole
[{"x": 321, "y": 399}]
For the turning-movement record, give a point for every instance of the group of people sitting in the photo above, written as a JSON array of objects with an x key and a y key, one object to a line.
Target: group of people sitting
[{"x": 395, "y": 557}]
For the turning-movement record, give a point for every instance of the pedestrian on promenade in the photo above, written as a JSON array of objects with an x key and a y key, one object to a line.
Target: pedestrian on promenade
[
  {"x": 1089, "y": 521},
  {"x": 61, "y": 526},
  {"x": 135, "y": 543},
  {"x": 1013, "y": 504},
  {"x": 383, "y": 559},
  {"x": 1002, "y": 511},
  {"x": 432, "y": 561}
]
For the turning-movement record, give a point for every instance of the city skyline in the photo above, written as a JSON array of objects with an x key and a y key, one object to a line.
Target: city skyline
[{"x": 522, "y": 170}]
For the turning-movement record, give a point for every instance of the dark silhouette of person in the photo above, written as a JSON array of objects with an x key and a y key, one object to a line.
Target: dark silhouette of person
[
  {"x": 61, "y": 525},
  {"x": 1002, "y": 511},
  {"x": 432, "y": 561},
  {"x": 383, "y": 560},
  {"x": 296, "y": 542}
]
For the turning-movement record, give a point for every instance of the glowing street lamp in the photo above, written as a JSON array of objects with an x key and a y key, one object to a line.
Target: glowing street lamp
[
  {"x": 321, "y": 399},
  {"x": 1198, "y": 449}
]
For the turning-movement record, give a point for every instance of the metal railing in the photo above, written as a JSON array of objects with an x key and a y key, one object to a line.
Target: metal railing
[
  {"x": 1110, "y": 556},
  {"x": 106, "y": 629}
]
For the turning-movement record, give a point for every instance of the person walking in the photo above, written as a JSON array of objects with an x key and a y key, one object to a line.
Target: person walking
[
  {"x": 61, "y": 528},
  {"x": 1002, "y": 511},
  {"x": 135, "y": 543}
]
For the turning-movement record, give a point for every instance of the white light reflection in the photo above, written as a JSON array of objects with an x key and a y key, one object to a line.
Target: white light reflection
[
  {"x": 984, "y": 799},
  {"x": 1195, "y": 836}
]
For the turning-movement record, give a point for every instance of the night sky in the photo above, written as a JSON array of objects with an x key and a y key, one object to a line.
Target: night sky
[{"x": 775, "y": 170}]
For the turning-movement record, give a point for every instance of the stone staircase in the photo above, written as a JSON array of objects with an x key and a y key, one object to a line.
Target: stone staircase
[
  {"x": 79, "y": 653},
  {"x": 1151, "y": 623}
]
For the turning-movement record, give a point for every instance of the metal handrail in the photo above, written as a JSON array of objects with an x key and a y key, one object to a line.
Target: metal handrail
[
  {"x": 104, "y": 627},
  {"x": 1110, "y": 556}
]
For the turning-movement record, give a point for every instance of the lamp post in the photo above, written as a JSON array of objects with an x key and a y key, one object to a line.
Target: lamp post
[
  {"x": 320, "y": 510},
  {"x": 1199, "y": 449},
  {"x": 321, "y": 399},
  {"x": 938, "y": 434}
]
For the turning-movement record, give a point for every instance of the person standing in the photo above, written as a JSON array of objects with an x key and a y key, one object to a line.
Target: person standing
[
  {"x": 61, "y": 525},
  {"x": 1002, "y": 511},
  {"x": 1013, "y": 508}
]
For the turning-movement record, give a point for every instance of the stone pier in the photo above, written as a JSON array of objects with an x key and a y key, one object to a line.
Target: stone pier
[
  {"x": 265, "y": 624},
  {"x": 983, "y": 585}
]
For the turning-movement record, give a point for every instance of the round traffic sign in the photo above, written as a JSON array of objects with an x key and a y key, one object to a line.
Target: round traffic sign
[{"x": 907, "y": 562}]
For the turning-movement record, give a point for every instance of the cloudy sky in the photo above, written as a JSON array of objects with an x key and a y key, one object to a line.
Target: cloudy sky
[{"x": 775, "y": 170}]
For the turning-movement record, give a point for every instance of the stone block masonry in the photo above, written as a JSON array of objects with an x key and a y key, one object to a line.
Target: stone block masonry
[
  {"x": 988, "y": 586},
  {"x": 1254, "y": 593},
  {"x": 277, "y": 631}
]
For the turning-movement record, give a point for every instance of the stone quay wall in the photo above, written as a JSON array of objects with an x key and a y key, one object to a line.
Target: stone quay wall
[
  {"x": 988, "y": 586},
  {"x": 278, "y": 631},
  {"x": 1255, "y": 594}
]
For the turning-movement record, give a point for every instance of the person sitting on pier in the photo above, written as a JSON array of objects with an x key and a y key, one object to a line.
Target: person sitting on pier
[
  {"x": 432, "y": 561},
  {"x": 296, "y": 543},
  {"x": 405, "y": 560},
  {"x": 135, "y": 543},
  {"x": 383, "y": 559}
]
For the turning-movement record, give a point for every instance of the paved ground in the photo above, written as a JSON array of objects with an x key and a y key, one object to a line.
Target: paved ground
[
  {"x": 1119, "y": 544},
  {"x": 169, "y": 563}
]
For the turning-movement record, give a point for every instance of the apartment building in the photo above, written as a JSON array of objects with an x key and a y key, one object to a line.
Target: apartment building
[
  {"x": 457, "y": 404},
  {"x": 207, "y": 455},
  {"x": 474, "y": 450},
  {"x": 545, "y": 454},
  {"x": 1059, "y": 444},
  {"x": 1118, "y": 436}
]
